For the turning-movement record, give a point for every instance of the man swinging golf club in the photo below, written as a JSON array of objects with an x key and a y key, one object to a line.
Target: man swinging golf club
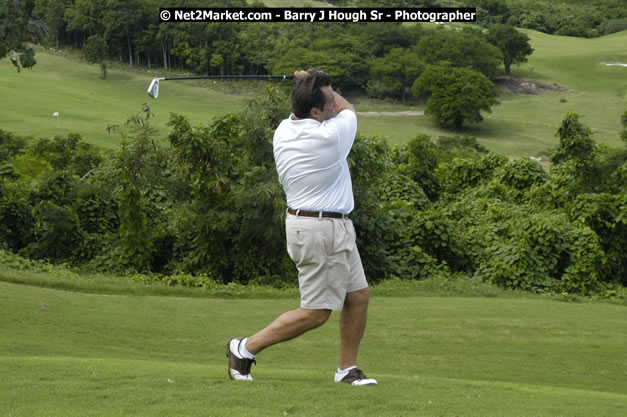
[{"x": 310, "y": 151}]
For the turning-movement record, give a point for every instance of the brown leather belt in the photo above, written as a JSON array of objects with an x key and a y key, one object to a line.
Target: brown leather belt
[{"x": 308, "y": 213}]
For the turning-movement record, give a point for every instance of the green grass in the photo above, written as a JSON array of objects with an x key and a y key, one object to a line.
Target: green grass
[
  {"x": 89, "y": 354},
  {"x": 578, "y": 62},
  {"x": 87, "y": 104}
]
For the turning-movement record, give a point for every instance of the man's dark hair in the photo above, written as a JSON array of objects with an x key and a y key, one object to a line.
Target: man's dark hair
[{"x": 307, "y": 93}]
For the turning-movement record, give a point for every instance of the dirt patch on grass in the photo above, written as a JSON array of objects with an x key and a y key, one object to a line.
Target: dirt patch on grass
[
  {"x": 519, "y": 85},
  {"x": 390, "y": 113}
]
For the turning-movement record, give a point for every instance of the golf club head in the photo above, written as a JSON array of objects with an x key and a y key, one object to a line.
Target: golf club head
[{"x": 153, "y": 88}]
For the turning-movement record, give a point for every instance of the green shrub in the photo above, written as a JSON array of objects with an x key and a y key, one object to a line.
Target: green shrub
[
  {"x": 463, "y": 147},
  {"x": 543, "y": 252},
  {"x": 30, "y": 167},
  {"x": 136, "y": 245},
  {"x": 59, "y": 188},
  {"x": 16, "y": 219},
  {"x": 606, "y": 215},
  {"x": 68, "y": 153},
  {"x": 587, "y": 260},
  {"x": 57, "y": 233},
  {"x": 209, "y": 208},
  {"x": 521, "y": 174},
  {"x": 399, "y": 187},
  {"x": 11, "y": 145},
  {"x": 462, "y": 173},
  {"x": 368, "y": 162}
]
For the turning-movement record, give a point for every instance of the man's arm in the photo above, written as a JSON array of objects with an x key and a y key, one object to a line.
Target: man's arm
[{"x": 342, "y": 104}]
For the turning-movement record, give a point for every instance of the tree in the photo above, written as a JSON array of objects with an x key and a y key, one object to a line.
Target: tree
[
  {"x": 576, "y": 143},
  {"x": 394, "y": 74},
  {"x": 121, "y": 20},
  {"x": 463, "y": 49},
  {"x": 17, "y": 28},
  {"x": 52, "y": 12},
  {"x": 95, "y": 51},
  {"x": 455, "y": 95},
  {"x": 88, "y": 16},
  {"x": 492, "y": 11},
  {"x": 513, "y": 45}
]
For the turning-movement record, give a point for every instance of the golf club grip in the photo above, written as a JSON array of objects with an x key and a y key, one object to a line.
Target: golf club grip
[{"x": 223, "y": 77}]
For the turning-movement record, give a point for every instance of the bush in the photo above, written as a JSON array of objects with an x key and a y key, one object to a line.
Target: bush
[
  {"x": 10, "y": 145},
  {"x": 450, "y": 147},
  {"x": 16, "y": 219},
  {"x": 607, "y": 27},
  {"x": 70, "y": 154},
  {"x": 544, "y": 252},
  {"x": 209, "y": 208},
  {"x": 57, "y": 233},
  {"x": 522, "y": 174},
  {"x": 606, "y": 215},
  {"x": 368, "y": 162},
  {"x": 462, "y": 173}
]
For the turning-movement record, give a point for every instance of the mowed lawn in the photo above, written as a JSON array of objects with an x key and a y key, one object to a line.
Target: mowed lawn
[
  {"x": 88, "y": 104},
  {"x": 79, "y": 354}
]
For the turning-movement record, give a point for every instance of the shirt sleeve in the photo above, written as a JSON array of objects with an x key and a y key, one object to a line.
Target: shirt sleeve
[{"x": 345, "y": 124}]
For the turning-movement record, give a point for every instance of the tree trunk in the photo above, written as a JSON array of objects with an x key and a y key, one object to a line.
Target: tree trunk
[
  {"x": 103, "y": 70},
  {"x": 165, "y": 55},
  {"x": 130, "y": 50}
]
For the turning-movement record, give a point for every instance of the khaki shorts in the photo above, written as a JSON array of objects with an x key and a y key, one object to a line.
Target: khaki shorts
[{"x": 328, "y": 262}]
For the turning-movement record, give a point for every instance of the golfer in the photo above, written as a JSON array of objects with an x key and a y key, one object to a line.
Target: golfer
[{"x": 310, "y": 151}]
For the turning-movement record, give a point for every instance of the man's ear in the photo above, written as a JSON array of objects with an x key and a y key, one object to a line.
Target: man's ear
[{"x": 315, "y": 113}]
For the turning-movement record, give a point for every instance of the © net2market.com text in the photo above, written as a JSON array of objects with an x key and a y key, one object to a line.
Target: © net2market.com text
[{"x": 312, "y": 15}]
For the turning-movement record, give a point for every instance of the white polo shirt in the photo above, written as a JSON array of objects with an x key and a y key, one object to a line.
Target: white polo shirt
[{"x": 311, "y": 162}]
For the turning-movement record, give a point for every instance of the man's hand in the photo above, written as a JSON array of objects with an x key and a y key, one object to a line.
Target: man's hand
[{"x": 300, "y": 75}]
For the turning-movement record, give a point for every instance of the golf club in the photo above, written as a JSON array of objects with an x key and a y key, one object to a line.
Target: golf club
[{"x": 153, "y": 88}]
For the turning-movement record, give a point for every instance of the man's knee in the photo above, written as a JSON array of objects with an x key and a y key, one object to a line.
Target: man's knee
[
  {"x": 317, "y": 318},
  {"x": 358, "y": 299}
]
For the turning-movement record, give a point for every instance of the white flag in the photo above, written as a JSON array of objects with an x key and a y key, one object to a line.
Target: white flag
[{"x": 55, "y": 114}]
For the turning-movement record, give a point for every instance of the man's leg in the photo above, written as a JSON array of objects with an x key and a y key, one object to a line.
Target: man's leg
[
  {"x": 352, "y": 326},
  {"x": 287, "y": 326}
]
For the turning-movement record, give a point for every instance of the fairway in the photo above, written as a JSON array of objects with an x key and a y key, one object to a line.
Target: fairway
[
  {"x": 87, "y": 104},
  {"x": 77, "y": 354}
]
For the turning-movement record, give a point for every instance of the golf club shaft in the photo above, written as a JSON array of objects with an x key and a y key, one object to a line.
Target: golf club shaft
[
  {"x": 209, "y": 77},
  {"x": 153, "y": 89}
]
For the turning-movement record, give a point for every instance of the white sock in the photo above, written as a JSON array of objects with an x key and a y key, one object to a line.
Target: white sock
[
  {"x": 243, "y": 351},
  {"x": 347, "y": 370}
]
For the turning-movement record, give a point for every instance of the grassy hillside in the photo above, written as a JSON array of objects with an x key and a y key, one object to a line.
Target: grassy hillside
[
  {"x": 522, "y": 125},
  {"x": 578, "y": 63},
  {"x": 87, "y": 104},
  {"x": 79, "y": 354}
]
